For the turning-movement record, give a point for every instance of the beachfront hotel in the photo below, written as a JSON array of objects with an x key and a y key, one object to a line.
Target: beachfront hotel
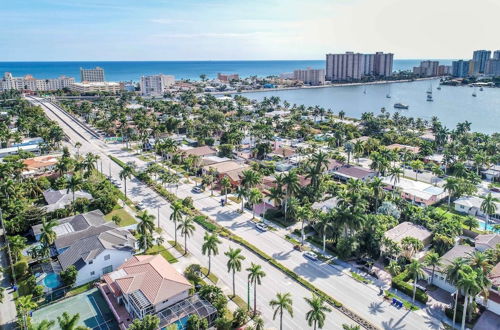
[
  {"x": 30, "y": 83},
  {"x": 355, "y": 66},
  {"x": 92, "y": 75},
  {"x": 156, "y": 85},
  {"x": 310, "y": 76}
]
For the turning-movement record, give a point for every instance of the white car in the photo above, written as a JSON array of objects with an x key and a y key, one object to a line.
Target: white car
[
  {"x": 311, "y": 256},
  {"x": 140, "y": 206},
  {"x": 261, "y": 227}
]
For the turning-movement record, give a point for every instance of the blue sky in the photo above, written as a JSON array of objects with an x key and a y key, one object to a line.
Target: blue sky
[{"x": 54, "y": 30}]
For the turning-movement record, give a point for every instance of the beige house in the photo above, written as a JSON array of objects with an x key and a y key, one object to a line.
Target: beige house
[{"x": 407, "y": 229}]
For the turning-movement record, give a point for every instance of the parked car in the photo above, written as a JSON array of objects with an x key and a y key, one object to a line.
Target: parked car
[
  {"x": 140, "y": 206},
  {"x": 311, "y": 256},
  {"x": 197, "y": 189},
  {"x": 261, "y": 227}
]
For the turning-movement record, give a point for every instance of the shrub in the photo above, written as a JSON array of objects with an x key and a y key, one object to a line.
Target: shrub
[
  {"x": 188, "y": 202},
  {"x": 20, "y": 269},
  {"x": 69, "y": 275},
  {"x": 399, "y": 282}
]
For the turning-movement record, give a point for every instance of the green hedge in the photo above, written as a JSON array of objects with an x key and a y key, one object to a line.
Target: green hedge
[{"x": 399, "y": 282}]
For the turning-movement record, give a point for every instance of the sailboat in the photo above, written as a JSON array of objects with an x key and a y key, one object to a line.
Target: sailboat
[
  {"x": 364, "y": 91},
  {"x": 429, "y": 98},
  {"x": 474, "y": 93},
  {"x": 388, "y": 95},
  {"x": 429, "y": 91}
]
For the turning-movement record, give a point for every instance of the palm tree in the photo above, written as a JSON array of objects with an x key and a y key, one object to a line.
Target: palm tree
[
  {"x": 74, "y": 184},
  {"x": 432, "y": 259},
  {"x": 417, "y": 166},
  {"x": 415, "y": 270},
  {"x": 175, "y": 216},
  {"x": 69, "y": 322},
  {"x": 488, "y": 207},
  {"x": 225, "y": 184},
  {"x": 234, "y": 263},
  {"x": 17, "y": 244},
  {"x": 395, "y": 174},
  {"x": 210, "y": 247},
  {"x": 291, "y": 180},
  {"x": 149, "y": 322},
  {"x": 323, "y": 225},
  {"x": 255, "y": 275},
  {"x": 317, "y": 315},
  {"x": 126, "y": 173},
  {"x": 471, "y": 222},
  {"x": 303, "y": 214},
  {"x": 48, "y": 235},
  {"x": 146, "y": 226},
  {"x": 283, "y": 302},
  {"x": 250, "y": 178},
  {"x": 44, "y": 325},
  {"x": 377, "y": 187},
  {"x": 254, "y": 197},
  {"x": 348, "y": 148},
  {"x": 468, "y": 284},
  {"x": 351, "y": 327},
  {"x": 25, "y": 305},
  {"x": 451, "y": 186},
  {"x": 187, "y": 228},
  {"x": 452, "y": 276},
  {"x": 241, "y": 193},
  {"x": 394, "y": 268}
]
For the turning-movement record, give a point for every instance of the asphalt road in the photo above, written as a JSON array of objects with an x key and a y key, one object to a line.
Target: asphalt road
[
  {"x": 358, "y": 297},
  {"x": 274, "y": 281}
]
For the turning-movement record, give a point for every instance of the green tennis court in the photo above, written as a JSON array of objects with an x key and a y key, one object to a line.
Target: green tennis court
[{"x": 93, "y": 309}]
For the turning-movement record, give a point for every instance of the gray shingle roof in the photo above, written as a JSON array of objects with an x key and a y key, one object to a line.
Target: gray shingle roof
[
  {"x": 76, "y": 223},
  {"x": 58, "y": 199},
  {"x": 88, "y": 248}
]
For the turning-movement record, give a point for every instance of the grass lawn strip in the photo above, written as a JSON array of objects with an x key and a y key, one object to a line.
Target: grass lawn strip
[
  {"x": 164, "y": 253},
  {"x": 127, "y": 219},
  {"x": 408, "y": 305},
  {"x": 212, "y": 277}
]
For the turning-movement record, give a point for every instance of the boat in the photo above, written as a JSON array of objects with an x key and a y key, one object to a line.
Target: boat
[
  {"x": 364, "y": 91},
  {"x": 438, "y": 88},
  {"x": 388, "y": 96},
  {"x": 401, "y": 106},
  {"x": 429, "y": 91},
  {"x": 429, "y": 98},
  {"x": 474, "y": 93},
  {"x": 481, "y": 89}
]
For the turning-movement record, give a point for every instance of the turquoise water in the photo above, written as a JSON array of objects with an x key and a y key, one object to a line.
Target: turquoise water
[
  {"x": 181, "y": 323},
  {"x": 451, "y": 104},
  {"x": 133, "y": 70},
  {"x": 52, "y": 281}
]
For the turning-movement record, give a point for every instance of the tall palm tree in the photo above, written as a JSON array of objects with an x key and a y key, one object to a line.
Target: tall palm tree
[
  {"x": 255, "y": 275},
  {"x": 488, "y": 207},
  {"x": 234, "y": 263},
  {"x": 25, "y": 304},
  {"x": 432, "y": 259},
  {"x": 452, "y": 276},
  {"x": 291, "y": 180},
  {"x": 225, "y": 184},
  {"x": 316, "y": 316},
  {"x": 242, "y": 193},
  {"x": 468, "y": 284},
  {"x": 451, "y": 186},
  {"x": 210, "y": 247},
  {"x": 146, "y": 226},
  {"x": 187, "y": 228},
  {"x": 175, "y": 216},
  {"x": 282, "y": 303},
  {"x": 377, "y": 187},
  {"x": 74, "y": 184},
  {"x": 48, "y": 235},
  {"x": 415, "y": 270},
  {"x": 254, "y": 197},
  {"x": 304, "y": 213},
  {"x": 250, "y": 178},
  {"x": 324, "y": 225},
  {"x": 17, "y": 244},
  {"x": 126, "y": 173}
]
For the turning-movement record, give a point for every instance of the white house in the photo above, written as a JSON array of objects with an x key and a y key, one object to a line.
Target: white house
[{"x": 471, "y": 205}]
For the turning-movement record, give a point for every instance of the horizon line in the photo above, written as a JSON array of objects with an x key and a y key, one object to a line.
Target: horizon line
[{"x": 275, "y": 60}]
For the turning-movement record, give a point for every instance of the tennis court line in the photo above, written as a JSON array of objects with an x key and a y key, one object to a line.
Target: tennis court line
[{"x": 100, "y": 314}]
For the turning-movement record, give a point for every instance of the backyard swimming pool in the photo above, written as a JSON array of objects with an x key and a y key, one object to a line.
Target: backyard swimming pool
[{"x": 52, "y": 281}]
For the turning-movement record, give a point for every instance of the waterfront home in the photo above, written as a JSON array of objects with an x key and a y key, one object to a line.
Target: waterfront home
[
  {"x": 471, "y": 205},
  {"x": 59, "y": 199},
  {"x": 397, "y": 146},
  {"x": 148, "y": 284},
  {"x": 347, "y": 172},
  {"x": 407, "y": 229},
  {"x": 39, "y": 165},
  {"x": 419, "y": 193}
]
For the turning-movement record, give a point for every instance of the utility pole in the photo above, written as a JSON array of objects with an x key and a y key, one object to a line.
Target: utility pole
[
  {"x": 110, "y": 170},
  {"x": 158, "y": 216},
  {"x": 8, "y": 247}
]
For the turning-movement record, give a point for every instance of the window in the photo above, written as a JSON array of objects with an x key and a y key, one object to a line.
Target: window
[
  {"x": 92, "y": 273},
  {"x": 107, "y": 269},
  {"x": 107, "y": 257}
]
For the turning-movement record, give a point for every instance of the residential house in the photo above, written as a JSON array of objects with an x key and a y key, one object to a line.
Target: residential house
[
  {"x": 493, "y": 173},
  {"x": 408, "y": 229},
  {"x": 353, "y": 172},
  {"x": 334, "y": 165},
  {"x": 471, "y": 205},
  {"x": 93, "y": 246},
  {"x": 283, "y": 152},
  {"x": 485, "y": 242},
  {"x": 59, "y": 199},
  {"x": 326, "y": 205},
  {"x": 148, "y": 284},
  {"x": 39, "y": 165},
  {"x": 493, "y": 302},
  {"x": 418, "y": 192},
  {"x": 230, "y": 169},
  {"x": 397, "y": 146}
]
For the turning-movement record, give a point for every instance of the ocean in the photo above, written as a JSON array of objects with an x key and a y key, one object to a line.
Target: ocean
[{"x": 132, "y": 71}]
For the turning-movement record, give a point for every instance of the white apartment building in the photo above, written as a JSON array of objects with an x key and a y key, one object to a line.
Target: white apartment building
[
  {"x": 156, "y": 85},
  {"x": 30, "y": 83},
  {"x": 310, "y": 76},
  {"x": 355, "y": 66},
  {"x": 92, "y": 75},
  {"x": 427, "y": 69},
  {"x": 92, "y": 87}
]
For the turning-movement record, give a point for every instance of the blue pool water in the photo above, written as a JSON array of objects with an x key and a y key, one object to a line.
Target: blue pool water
[
  {"x": 52, "y": 281},
  {"x": 181, "y": 323}
]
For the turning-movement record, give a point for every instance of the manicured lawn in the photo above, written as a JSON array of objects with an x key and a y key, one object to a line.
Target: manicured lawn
[
  {"x": 127, "y": 219},
  {"x": 360, "y": 278},
  {"x": 178, "y": 247},
  {"x": 80, "y": 289},
  {"x": 239, "y": 302},
  {"x": 164, "y": 253},
  {"x": 210, "y": 276},
  {"x": 408, "y": 305}
]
